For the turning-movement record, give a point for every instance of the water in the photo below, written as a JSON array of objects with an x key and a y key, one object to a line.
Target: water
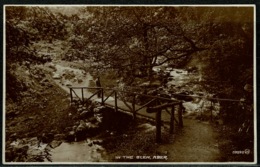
[
  {"x": 78, "y": 152},
  {"x": 180, "y": 77},
  {"x": 84, "y": 151},
  {"x": 79, "y": 74}
]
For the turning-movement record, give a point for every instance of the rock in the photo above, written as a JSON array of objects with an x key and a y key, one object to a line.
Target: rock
[
  {"x": 13, "y": 136},
  {"x": 33, "y": 141},
  {"x": 45, "y": 80},
  {"x": 147, "y": 127},
  {"x": 75, "y": 79},
  {"x": 80, "y": 106},
  {"x": 183, "y": 96},
  {"x": 71, "y": 136},
  {"x": 55, "y": 143},
  {"x": 80, "y": 80},
  {"x": 81, "y": 131},
  {"x": 56, "y": 76},
  {"x": 99, "y": 109},
  {"x": 47, "y": 138},
  {"x": 82, "y": 126},
  {"x": 67, "y": 83},
  {"x": 90, "y": 143},
  {"x": 99, "y": 118},
  {"x": 97, "y": 141},
  {"x": 79, "y": 110},
  {"x": 67, "y": 129},
  {"x": 92, "y": 120},
  {"x": 59, "y": 136},
  {"x": 85, "y": 114},
  {"x": 21, "y": 149}
]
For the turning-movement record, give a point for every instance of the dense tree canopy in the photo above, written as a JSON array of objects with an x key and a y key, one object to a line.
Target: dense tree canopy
[{"x": 132, "y": 40}]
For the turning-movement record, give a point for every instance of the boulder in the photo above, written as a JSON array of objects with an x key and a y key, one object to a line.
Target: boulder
[
  {"x": 67, "y": 83},
  {"x": 82, "y": 127},
  {"x": 71, "y": 136},
  {"x": 80, "y": 131},
  {"x": 85, "y": 114},
  {"x": 80, "y": 80},
  {"x": 46, "y": 138},
  {"x": 59, "y": 136}
]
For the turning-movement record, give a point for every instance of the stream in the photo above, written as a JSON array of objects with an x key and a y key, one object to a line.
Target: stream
[
  {"x": 78, "y": 152},
  {"x": 87, "y": 151},
  {"x": 83, "y": 151}
]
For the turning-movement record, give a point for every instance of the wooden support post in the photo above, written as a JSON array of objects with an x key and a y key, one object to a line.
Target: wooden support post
[
  {"x": 180, "y": 115},
  {"x": 172, "y": 121},
  {"x": 158, "y": 126},
  {"x": 133, "y": 105},
  {"x": 102, "y": 96},
  {"x": 82, "y": 95},
  {"x": 71, "y": 97},
  {"x": 115, "y": 101}
]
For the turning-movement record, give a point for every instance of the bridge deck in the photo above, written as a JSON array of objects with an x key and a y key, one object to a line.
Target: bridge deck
[
  {"x": 122, "y": 107},
  {"x": 142, "y": 112}
]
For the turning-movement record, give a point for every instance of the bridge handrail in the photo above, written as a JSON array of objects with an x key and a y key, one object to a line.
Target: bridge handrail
[
  {"x": 123, "y": 91},
  {"x": 176, "y": 94}
]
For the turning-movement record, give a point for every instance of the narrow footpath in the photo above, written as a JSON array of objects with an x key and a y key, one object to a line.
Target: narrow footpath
[{"x": 196, "y": 142}]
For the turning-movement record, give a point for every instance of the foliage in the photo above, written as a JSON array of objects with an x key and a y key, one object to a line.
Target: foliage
[
  {"x": 24, "y": 26},
  {"x": 132, "y": 40}
]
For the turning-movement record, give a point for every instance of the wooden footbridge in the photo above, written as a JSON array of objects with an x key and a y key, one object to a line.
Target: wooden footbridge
[{"x": 156, "y": 108}]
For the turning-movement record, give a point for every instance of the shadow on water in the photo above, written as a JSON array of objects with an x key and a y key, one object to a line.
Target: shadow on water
[{"x": 92, "y": 148}]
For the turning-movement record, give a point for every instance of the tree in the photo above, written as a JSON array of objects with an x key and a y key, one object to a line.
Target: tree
[
  {"x": 133, "y": 40},
  {"x": 25, "y": 25}
]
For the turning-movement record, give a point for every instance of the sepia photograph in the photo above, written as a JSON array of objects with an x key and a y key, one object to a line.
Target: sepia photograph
[{"x": 129, "y": 84}]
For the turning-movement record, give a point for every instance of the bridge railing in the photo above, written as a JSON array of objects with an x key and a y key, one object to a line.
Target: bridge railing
[{"x": 153, "y": 104}]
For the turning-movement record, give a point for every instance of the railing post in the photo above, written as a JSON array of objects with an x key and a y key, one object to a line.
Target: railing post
[
  {"x": 115, "y": 100},
  {"x": 71, "y": 97},
  {"x": 180, "y": 115},
  {"x": 133, "y": 105},
  {"x": 172, "y": 120},
  {"x": 82, "y": 95},
  {"x": 158, "y": 126}
]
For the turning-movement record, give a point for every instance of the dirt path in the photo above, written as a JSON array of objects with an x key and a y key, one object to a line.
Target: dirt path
[{"x": 196, "y": 142}]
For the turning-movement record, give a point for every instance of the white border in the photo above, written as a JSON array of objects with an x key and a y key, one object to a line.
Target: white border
[{"x": 131, "y": 163}]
